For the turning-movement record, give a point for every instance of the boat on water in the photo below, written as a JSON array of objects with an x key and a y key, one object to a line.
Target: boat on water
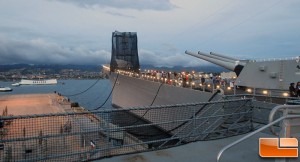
[
  {"x": 5, "y": 89},
  {"x": 38, "y": 82},
  {"x": 15, "y": 84}
]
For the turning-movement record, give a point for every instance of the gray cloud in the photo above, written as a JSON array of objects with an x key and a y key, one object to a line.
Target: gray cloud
[
  {"x": 39, "y": 51},
  {"x": 125, "y": 4},
  {"x": 258, "y": 29},
  {"x": 119, "y": 14},
  {"x": 176, "y": 59}
]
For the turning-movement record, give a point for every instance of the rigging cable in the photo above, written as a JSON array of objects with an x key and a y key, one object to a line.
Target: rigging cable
[
  {"x": 109, "y": 94},
  {"x": 210, "y": 99},
  {"x": 84, "y": 90},
  {"x": 141, "y": 117},
  {"x": 99, "y": 97},
  {"x": 180, "y": 125}
]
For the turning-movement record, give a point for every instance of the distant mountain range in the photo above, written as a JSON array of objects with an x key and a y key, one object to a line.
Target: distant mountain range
[
  {"x": 96, "y": 68},
  {"x": 54, "y": 68}
]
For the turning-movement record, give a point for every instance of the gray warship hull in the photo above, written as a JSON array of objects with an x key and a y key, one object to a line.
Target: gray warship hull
[
  {"x": 136, "y": 92},
  {"x": 180, "y": 115}
]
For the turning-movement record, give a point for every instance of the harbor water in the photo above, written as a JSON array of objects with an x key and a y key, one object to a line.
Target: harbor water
[{"x": 89, "y": 94}]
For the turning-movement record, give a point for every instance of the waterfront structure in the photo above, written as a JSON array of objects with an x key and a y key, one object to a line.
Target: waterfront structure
[{"x": 38, "y": 82}]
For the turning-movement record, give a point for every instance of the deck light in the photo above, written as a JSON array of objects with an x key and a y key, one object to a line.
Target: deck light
[
  {"x": 249, "y": 90},
  {"x": 285, "y": 94},
  {"x": 265, "y": 92}
]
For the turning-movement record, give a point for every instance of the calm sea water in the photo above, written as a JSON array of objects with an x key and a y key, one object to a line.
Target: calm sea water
[{"x": 91, "y": 99}]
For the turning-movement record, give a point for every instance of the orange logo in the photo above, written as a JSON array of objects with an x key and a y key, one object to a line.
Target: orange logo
[{"x": 278, "y": 147}]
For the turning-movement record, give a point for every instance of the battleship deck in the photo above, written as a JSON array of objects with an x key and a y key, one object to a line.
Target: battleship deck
[{"x": 202, "y": 151}]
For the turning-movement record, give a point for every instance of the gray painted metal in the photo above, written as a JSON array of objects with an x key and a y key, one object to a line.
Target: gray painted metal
[
  {"x": 223, "y": 56},
  {"x": 236, "y": 61},
  {"x": 216, "y": 57},
  {"x": 227, "y": 65},
  {"x": 134, "y": 92},
  {"x": 251, "y": 134},
  {"x": 271, "y": 74},
  {"x": 277, "y": 74},
  {"x": 280, "y": 107},
  {"x": 255, "y": 132},
  {"x": 202, "y": 151}
]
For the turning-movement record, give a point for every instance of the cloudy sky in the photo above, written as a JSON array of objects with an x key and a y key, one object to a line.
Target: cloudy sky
[{"x": 79, "y": 31}]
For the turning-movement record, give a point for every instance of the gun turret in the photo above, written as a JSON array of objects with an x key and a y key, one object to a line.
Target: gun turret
[
  {"x": 227, "y": 65},
  {"x": 230, "y": 64},
  {"x": 216, "y": 57},
  {"x": 223, "y": 56},
  {"x": 236, "y": 61},
  {"x": 270, "y": 74}
]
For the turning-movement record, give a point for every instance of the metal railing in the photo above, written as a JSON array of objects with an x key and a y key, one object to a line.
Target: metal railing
[
  {"x": 274, "y": 59},
  {"x": 177, "y": 81},
  {"x": 270, "y": 125},
  {"x": 279, "y": 96},
  {"x": 275, "y": 110},
  {"x": 98, "y": 134}
]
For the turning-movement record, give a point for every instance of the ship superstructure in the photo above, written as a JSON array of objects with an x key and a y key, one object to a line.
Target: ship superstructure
[
  {"x": 274, "y": 74},
  {"x": 134, "y": 89},
  {"x": 124, "y": 53}
]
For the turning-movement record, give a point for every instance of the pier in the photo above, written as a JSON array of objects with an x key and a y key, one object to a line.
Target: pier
[
  {"x": 49, "y": 127},
  {"x": 28, "y": 104}
]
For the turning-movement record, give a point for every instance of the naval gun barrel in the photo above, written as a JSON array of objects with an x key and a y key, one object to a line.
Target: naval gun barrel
[
  {"x": 223, "y": 56},
  {"x": 225, "y": 64},
  {"x": 216, "y": 57},
  {"x": 230, "y": 64},
  {"x": 236, "y": 61}
]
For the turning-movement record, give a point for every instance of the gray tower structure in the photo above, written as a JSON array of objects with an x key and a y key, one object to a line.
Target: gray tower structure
[{"x": 124, "y": 53}]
